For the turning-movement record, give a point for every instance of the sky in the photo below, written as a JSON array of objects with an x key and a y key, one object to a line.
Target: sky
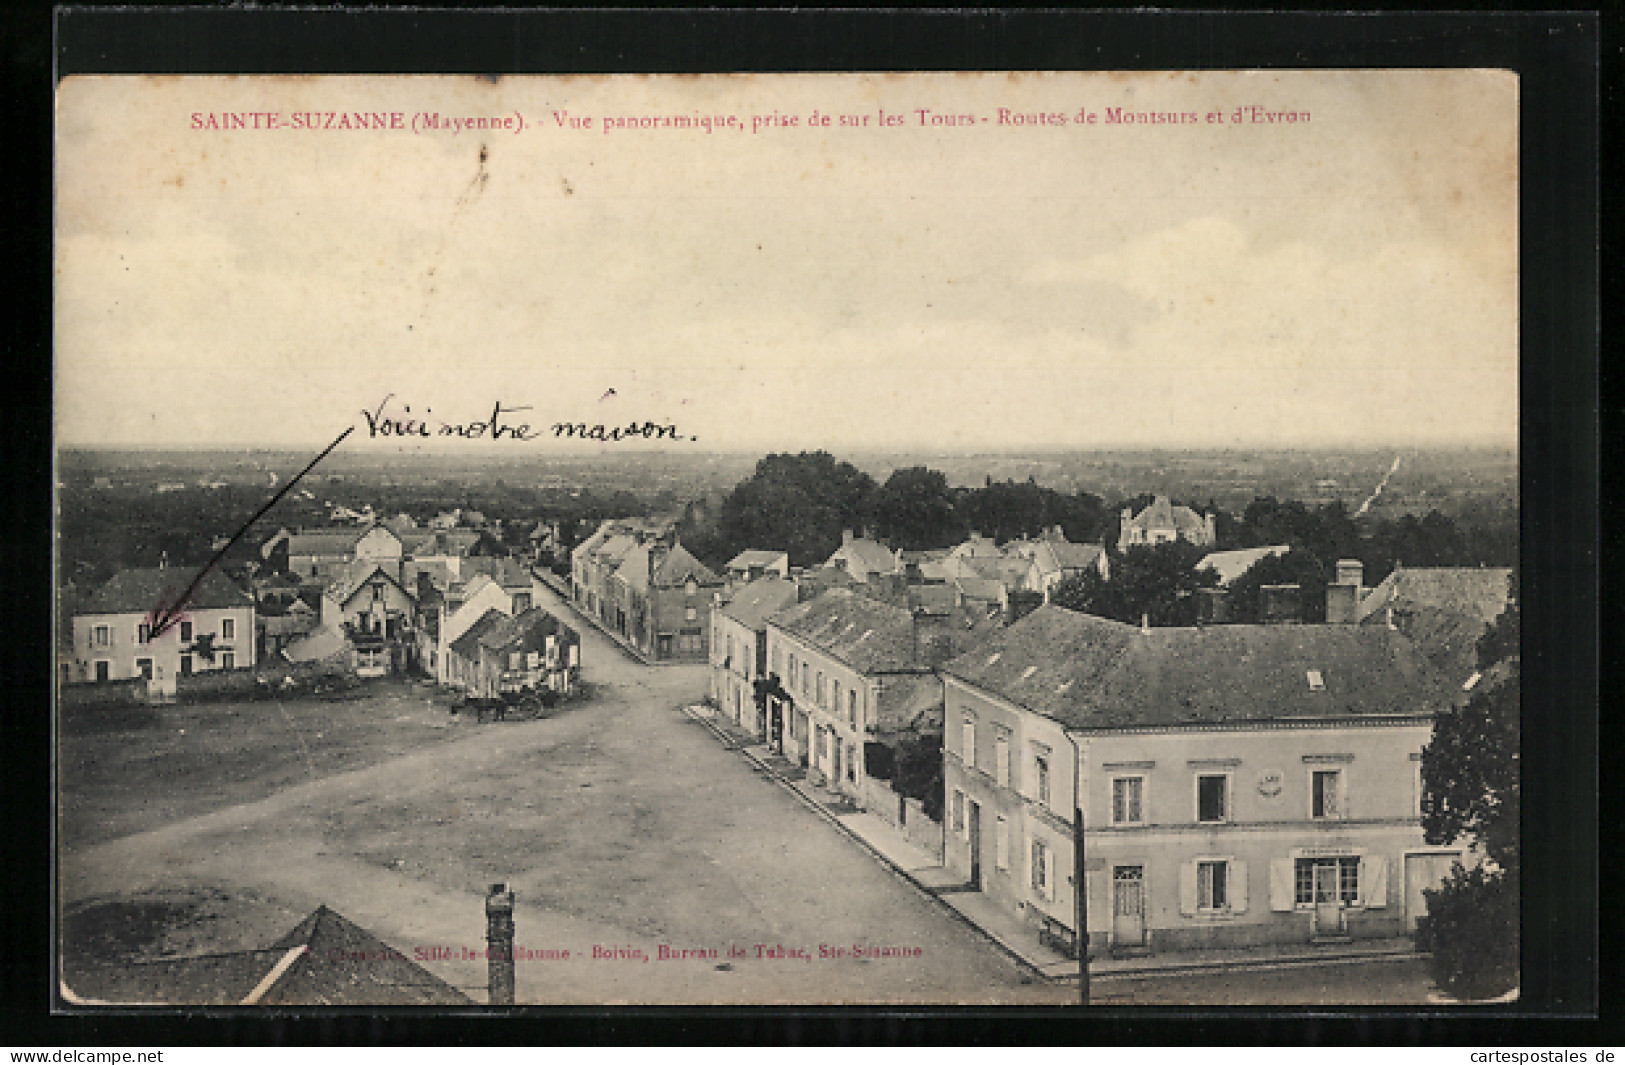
[{"x": 1345, "y": 280}]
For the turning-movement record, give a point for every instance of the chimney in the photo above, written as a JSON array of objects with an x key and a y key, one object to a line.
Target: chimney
[
  {"x": 1343, "y": 594},
  {"x": 1145, "y": 624},
  {"x": 846, "y": 537},
  {"x": 1214, "y": 606},
  {"x": 499, "y": 943},
  {"x": 1279, "y": 603}
]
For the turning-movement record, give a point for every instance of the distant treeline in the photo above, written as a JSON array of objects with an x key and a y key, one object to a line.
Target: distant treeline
[{"x": 802, "y": 503}]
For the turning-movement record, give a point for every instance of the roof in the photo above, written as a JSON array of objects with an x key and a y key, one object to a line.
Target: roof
[
  {"x": 753, "y": 602},
  {"x": 525, "y": 632},
  {"x": 866, "y": 634},
  {"x": 1010, "y": 572},
  {"x": 933, "y": 598},
  {"x": 1231, "y": 564},
  {"x": 981, "y": 588},
  {"x": 142, "y": 591},
  {"x": 320, "y": 645},
  {"x": 1071, "y": 556},
  {"x": 1088, "y": 672},
  {"x": 288, "y": 624},
  {"x": 912, "y": 703},
  {"x": 507, "y": 572},
  {"x": 1162, "y": 514},
  {"x": 1445, "y": 610},
  {"x": 747, "y": 559},
  {"x": 468, "y": 644},
  {"x": 679, "y": 566},
  {"x": 350, "y": 579},
  {"x": 327, "y": 541},
  {"x": 325, "y": 961},
  {"x": 868, "y": 555}
]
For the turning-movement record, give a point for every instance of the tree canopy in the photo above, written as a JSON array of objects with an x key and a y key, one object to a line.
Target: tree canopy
[
  {"x": 1156, "y": 583},
  {"x": 1245, "y": 599}
]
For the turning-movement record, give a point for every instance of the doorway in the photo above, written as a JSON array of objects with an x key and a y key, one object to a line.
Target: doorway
[
  {"x": 1328, "y": 900},
  {"x": 1128, "y": 906},
  {"x": 974, "y": 813},
  {"x": 1423, "y": 871}
]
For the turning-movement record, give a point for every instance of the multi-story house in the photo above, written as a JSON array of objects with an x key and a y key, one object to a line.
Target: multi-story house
[
  {"x": 531, "y": 651},
  {"x": 112, "y": 628},
  {"x": 1162, "y": 523},
  {"x": 855, "y": 671},
  {"x": 1053, "y": 558},
  {"x": 863, "y": 559},
  {"x": 635, "y": 579},
  {"x": 1237, "y": 784},
  {"x": 739, "y": 650},
  {"x": 367, "y": 602}
]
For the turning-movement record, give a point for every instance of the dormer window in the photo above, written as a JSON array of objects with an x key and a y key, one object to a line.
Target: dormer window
[{"x": 1317, "y": 683}]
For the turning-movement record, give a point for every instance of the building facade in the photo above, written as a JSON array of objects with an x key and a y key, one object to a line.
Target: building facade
[
  {"x": 1239, "y": 785},
  {"x": 112, "y": 629},
  {"x": 739, "y": 650},
  {"x": 1162, "y": 523}
]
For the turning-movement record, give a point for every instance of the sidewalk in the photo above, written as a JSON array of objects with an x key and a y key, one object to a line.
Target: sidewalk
[{"x": 887, "y": 843}]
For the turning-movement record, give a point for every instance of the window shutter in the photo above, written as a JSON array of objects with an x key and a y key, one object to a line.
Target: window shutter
[
  {"x": 1187, "y": 888},
  {"x": 1049, "y": 874},
  {"x": 1283, "y": 890},
  {"x": 1099, "y": 885},
  {"x": 1238, "y": 886},
  {"x": 1374, "y": 882}
]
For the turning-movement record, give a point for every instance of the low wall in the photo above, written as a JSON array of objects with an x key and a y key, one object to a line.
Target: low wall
[
  {"x": 103, "y": 694},
  {"x": 921, "y": 830},
  {"x": 880, "y": 800}
]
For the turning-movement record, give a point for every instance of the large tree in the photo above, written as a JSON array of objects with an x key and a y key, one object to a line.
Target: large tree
[
  {"x": 914, "y": 509},
  {"x": 795, "y": 503},
  {"x": 1471, "y": 789},
  {"x": 1155, "y": 583},
  {"x": 1245, "y": 599}
]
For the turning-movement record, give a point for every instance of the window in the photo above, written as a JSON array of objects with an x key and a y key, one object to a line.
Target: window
[
  {"x": 1416, "y": 784},
  {"x": 144, "y": 667},
  {"x": 852, "y": 708},
  {"x": 1041, "y": 777},
  {"x": 967, "y": 743},
  {"x": 1128, "y": 800},
  {"x": 143, "y": 632},
  {"x": 792, "y": 674},
  {"x": 851, "y": 763},
  {"x": 835, "y": 695},
  {"x": 228, "y": 629},
  {"x": 104, "y": 636},
  {"x": 186, "y": 632},
  {"x": 1001, "y": 760},
  {"x": 691, "y": 614},
  {"x": 1325, "y": 798},
  {"x": 959, "y": 811},
  {"x": 806, "y": 679},
  {"x": 1212, "y": 885},
  {"x": 820, "y": 688},
  {"x": 102, "y": 667},
  {"x": 1001, "y": 843},
  {"x": 1042, "y": 880},
  {"x": 1348, "y": 879},
  {"x": 728, "y": 661},
  {"x": 1212, "y": 797},
  {"x": 228, "y": 660},
  {"x": 186, "y": 665}
]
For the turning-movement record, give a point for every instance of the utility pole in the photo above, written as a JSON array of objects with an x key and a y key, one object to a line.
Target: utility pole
[
  {"x": 1080, "y": 884},
  {"x": 499, "y": 945},
  {"x": 1080, "y": 894}
]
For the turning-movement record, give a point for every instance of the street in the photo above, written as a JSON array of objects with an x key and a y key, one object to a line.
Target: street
[{"x": 622, "y": 826}]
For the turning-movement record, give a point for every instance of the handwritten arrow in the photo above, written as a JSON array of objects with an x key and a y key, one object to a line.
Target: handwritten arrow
[{"x": 166, "y": 615}]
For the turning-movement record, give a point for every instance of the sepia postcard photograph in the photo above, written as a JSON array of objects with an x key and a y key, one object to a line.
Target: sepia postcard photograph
[{"x": 892, "y": 540}]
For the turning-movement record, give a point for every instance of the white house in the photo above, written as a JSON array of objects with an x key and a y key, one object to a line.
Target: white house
[
  {"x": 112, "y": 629},
  {"x": 1238, "y": 784}
]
